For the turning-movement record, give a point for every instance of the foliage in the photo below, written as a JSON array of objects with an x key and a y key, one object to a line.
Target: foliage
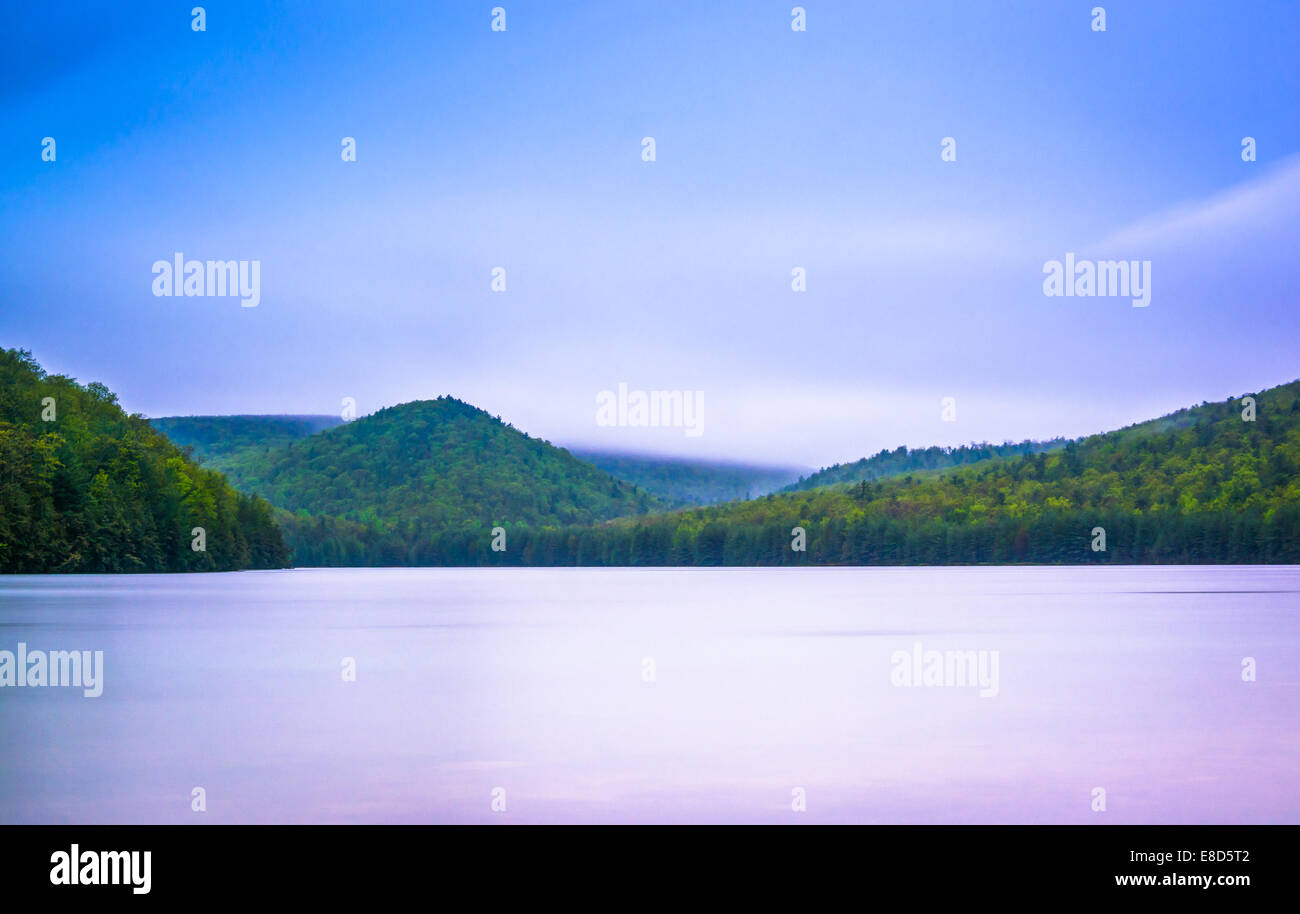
[
  {"x": 430, "y": 466},
  {"x": 1199, "y": 486},
  {"x": 218, "y": 440},
  {"x": 239, "y": 445},
  {"x": 683, "y": 482},
  {"x": 97, "y": 490},
  {"x": 910, "y": 460}
]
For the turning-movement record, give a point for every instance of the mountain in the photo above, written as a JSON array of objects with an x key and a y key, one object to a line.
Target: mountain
[
  {"x": 218, "y": 440},
  {"x": 390, "y": 487},
  {"x": 1216, "y": 483},
  {"x": 420, "y": 483},
  {"x": 84, "y": 487},
  {"x": 238, "y": 444},
  {"x": 683, "y": 482},
  {"x": 443, "y": 462},
  {"x": 904, "y": 460}
]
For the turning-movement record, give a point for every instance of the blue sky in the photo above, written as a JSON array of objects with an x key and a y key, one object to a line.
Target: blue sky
[{"x": 775, "y": 149}]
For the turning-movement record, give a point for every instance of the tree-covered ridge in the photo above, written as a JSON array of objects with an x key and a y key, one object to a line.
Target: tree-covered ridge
[
  {"x": 682, "y": 482},
  {"x": 1199, "y": 486},
  {"x": 903, "y": 460},
  {"x": 431, "y": 465},
  {"x": 84, "y": 487},
  {"x": 238, "y": 444},
  {"x": 215, "y": 440}
]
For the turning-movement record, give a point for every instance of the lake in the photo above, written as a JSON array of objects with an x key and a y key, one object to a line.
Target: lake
[{"x": 893, "y": 695}]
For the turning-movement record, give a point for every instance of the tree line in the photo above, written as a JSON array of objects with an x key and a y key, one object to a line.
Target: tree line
[
  {"x": 85, "y": 487},
  {"x": 1205, "y": 485}
]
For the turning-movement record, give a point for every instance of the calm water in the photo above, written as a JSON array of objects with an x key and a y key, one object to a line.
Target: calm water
[{"x": 649, "y": 695}]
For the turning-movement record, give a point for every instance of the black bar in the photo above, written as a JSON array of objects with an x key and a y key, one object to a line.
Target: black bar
[{"x": 334, "y": 863}]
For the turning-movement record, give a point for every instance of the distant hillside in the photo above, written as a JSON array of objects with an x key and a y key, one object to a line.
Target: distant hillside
[
  {"x": 387, "y": 488},
  {"x": 239, "y": 445},
  {"x": 1199, "y": 486},
  {"x": 421, "y": 483},
  {"x": 683, "y": 482},
  {"x": 442, "y": 461},
  {"x": 84, "y": 487},
  {"x": 219, "y": 438},
  {"x": 904, "y": 460}
]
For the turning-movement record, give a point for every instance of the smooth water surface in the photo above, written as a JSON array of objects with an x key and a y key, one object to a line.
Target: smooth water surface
[{"x": 658, "y": 695}]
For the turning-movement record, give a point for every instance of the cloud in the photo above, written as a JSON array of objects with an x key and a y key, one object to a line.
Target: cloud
[{"x": 1265, "y": 206}]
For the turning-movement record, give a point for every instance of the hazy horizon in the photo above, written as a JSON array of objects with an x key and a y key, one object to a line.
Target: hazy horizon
[{"x": 755, "y": 461}]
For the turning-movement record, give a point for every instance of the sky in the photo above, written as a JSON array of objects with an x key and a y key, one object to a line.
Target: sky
[{"x": 775, "y": 149}]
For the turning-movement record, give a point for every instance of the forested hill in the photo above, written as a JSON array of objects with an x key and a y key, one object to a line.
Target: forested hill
[
  {"x": 424, "y": 483},
  {"x": 217, "y": 440},
  {"x": 240, "y": 444},
  {"x": 84, "y": 487},
  {"x": 432, "y": 465},
  {"x": 1203, "y": 485},
  {"x": 683, "y": 481},
  {"x": 904, "y": 460}
]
